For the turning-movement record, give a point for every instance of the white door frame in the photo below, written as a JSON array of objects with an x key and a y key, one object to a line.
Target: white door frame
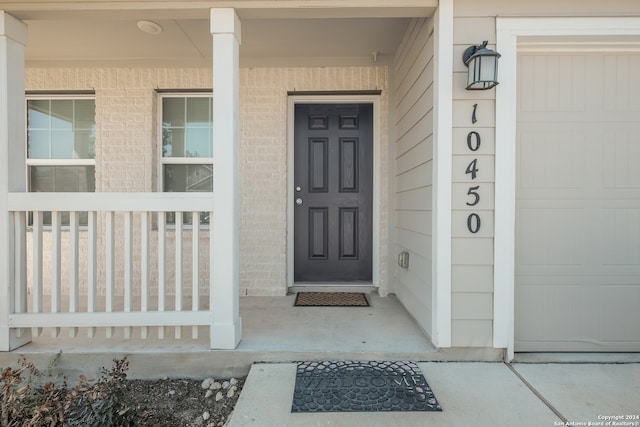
[
  {"x": 511, "y": 32},
  {"x": 335, "y": 99}
]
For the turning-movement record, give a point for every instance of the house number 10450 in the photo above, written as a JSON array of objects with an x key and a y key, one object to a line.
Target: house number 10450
[{"x": 473, "y": 143}]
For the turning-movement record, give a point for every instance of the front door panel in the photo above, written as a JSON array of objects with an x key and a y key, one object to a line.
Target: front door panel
[{"x": 333, "y": 181}]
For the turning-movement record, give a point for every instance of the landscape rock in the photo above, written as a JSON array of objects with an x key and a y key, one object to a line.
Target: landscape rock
[
  {"x": 207, "y": 383},
  {"x": 231, "y": 391},
  {"x": 184, "y": 406},
  {"x": 208, "y": 394}
]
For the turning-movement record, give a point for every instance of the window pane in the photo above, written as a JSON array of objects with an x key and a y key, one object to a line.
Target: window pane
[
  {"x": 38, "y": 143},
  {"x": 173, "y": 112},
  {"x": 62, "y": 144},
  {"x": 181, "y": 178},
  {"x": 198, "y": 142},
  {"x": 199, "y": 111},
  {"x": 85, "y": 144},
  {"x": 61, "y": 129},
  {"x": 38, "y": 114},
  {"x": 62, "y": 178},
  {"x": 62, "y": 114},
  {"x": 173, "y": 142},
  {"x": 84, "y": 114},
  {"x": 187, "y": 127}
]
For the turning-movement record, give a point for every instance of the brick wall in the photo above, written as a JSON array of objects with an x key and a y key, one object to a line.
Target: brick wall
[
  {"x": 263, "y": 103},
  {"x": 127, "y": 147}
]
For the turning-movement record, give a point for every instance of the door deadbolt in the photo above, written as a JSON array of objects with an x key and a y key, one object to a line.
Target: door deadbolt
[{"x": 298, "y": 189}]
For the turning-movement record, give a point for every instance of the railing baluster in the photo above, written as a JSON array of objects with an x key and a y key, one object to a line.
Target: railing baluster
[
  {"x": 128, "y": 266},
  {"x": 73, "y": 266},
  {"x": 20, "y": 250},
  {"x": 144, "y": 268},
  {"x": 195, "y": 266},
  {"x": 56, "y": 277},
  {"x": 162, "y": 268},
  {"x": 92, "y": 260},
  {"x": 178, "y": 270},
  {"x": 110, "y": 265},
  {"x": 36, "y": 268}
]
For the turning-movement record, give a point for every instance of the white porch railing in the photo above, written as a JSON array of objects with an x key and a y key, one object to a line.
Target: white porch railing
[{"x": 126, "y": 267}]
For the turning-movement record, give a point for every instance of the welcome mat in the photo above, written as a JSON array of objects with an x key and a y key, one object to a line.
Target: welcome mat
[
  {"x": 331, "y": 299},
  {"x": 352, "y": 386}
]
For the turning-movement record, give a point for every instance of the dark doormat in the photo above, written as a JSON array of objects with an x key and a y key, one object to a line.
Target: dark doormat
[
  {"x": 352, "y": 386},
  {"x": 331, "y": 299}
]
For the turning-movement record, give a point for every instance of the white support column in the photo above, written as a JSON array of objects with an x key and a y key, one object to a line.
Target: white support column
[
  {"x": 13, "y": 38},
  {"x": 442, "y": 154},
  {"x": 224, "y": 297}
]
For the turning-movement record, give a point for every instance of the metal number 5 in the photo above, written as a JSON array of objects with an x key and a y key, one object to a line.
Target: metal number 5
[{"x": 473, "y": 192}]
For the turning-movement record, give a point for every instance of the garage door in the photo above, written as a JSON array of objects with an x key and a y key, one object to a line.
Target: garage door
[{"x": 578, "y": 202}]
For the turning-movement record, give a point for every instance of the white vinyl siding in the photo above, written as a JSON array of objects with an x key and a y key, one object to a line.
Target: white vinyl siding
[
  {"x": 472, "y": 254},
  {"x": 413, "y": 69}
]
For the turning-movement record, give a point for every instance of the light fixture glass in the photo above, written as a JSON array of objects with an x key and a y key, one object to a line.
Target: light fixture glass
[
  {"x": 483, "y": 67},
  {"x": 150, "y": 27}
]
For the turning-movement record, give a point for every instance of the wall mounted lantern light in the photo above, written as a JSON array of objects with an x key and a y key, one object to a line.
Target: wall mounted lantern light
[{"x": 483, "y": 67}]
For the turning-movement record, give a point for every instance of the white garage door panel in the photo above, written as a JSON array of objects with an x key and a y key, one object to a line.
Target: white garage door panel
[
  {"x": 551, "y": 158},
  {"x": 578, "y": 203},
  {"x": 550, "y": 238},
  {"x": 619, "y": 306},
  {"x": 621, "y": 158},
  {"x": 556, "y": 306},
  {"x": 619, "y": 244}
]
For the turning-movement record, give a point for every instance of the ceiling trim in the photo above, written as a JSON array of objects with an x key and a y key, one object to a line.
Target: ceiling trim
[{"x": 246, "y": 9}]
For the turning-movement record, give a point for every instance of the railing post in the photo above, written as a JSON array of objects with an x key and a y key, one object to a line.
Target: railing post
[
  {"x": 226, "y": 325},
  {"x": 13, "y": 38}
]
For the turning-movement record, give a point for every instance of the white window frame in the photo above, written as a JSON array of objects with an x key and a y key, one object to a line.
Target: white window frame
[
  {"x": 52, "y": 162},
  {"x": 162, "y": 161}
]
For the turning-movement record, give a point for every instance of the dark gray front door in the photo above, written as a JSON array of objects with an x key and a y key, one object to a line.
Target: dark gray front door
[{"x": 333, "y": 182}]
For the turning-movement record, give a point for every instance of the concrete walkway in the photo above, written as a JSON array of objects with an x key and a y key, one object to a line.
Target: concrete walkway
[{"x": 471, "y": 394}]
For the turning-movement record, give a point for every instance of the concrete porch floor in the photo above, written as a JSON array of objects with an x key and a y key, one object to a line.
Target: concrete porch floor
[{"x": 273, "y": 331}]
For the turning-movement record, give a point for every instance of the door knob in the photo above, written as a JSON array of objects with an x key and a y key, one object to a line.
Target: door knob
[{"x": 298, "y": 201}]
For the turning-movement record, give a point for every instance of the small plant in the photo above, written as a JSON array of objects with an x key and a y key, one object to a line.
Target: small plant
[
  {"x": 101, "y": 403},
  {"x": 25, "y": 404}
]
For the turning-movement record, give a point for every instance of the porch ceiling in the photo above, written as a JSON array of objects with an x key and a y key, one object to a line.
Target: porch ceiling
[
  {"x": 282, "y": 33},
  {"x": 188, "y": 42}
]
